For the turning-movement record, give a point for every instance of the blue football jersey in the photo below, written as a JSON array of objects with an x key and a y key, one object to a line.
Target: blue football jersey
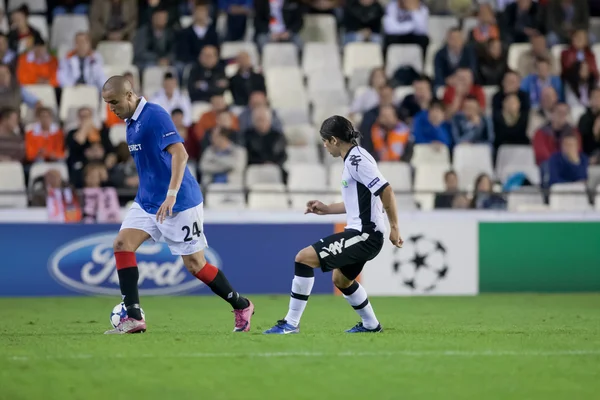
[{"x": 149, "y": 132}]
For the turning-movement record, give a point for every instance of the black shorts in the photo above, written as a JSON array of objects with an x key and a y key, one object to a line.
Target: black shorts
[{"x": 348, "y": 251}]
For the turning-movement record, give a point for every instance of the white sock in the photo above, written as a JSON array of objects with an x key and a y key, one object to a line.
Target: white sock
[
  {"x": 301, "y": 288},
  {"x": 360, "y": 302}
]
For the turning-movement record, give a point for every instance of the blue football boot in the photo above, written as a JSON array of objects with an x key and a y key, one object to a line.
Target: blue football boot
[
  {"x": 282, "y": 328},
  {"x": 359, "y": 328}
]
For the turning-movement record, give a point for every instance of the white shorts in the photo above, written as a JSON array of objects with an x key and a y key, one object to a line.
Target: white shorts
[{"x": 183, "y": 231}]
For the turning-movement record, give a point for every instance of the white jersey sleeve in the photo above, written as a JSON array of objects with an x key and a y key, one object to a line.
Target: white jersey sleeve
[{"x": 363, "y": 169}]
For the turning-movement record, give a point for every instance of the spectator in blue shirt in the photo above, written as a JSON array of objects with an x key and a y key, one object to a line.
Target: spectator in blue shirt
[
  {"x": 454, "y": 55},
  {"x": 533, "y": 84},
  {"x": 430, "y": 126},
  {"x": 568, "y": 165},
  {"x": 237, "y": 15},
  {"x": 471, "y": 125}
]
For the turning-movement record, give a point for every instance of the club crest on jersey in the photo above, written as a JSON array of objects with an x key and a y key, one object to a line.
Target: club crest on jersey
[
  {"x": 137, "y": 127},
  {"x": 345, "y": 184}
]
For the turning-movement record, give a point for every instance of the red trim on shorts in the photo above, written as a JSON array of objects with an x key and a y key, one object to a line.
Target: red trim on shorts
[
  {"x": 208, "y": 273},
  {"x": 125, "y": 259}
]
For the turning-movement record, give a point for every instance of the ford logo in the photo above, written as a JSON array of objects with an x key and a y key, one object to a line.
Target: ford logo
[{"x": 87, "y": 265}]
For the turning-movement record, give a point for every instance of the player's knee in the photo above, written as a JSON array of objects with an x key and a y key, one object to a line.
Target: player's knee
[
  {"x": 120, "y": 244},
  {"x": 194, "y": 263},
  {"x": 307, "y": 256}
]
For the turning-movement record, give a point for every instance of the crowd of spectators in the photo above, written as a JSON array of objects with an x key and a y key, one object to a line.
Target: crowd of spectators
[{"x": 532, "y": 104}]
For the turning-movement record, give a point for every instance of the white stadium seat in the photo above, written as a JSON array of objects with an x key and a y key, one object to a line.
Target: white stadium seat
[
  {"x": 329, "y": 98},
  {"x": 264, "y": 173},
  {"x": 116, "y": 53},
  {"x": 185, "y": 21},
  {"x": 223, "y": 196},
  {"x": 40, "y": 23},
  {"x": 199, "y": 108},
  {"x": 424, "y": 154},
  {"x": 307, "y": 177},
  {"x": 569, "y": 197},
  {"x": 359, "y": 78},
  {"x": 335, "y": 176},
  {"x": 429, "y": 178},
  {"x": 432, "y": 50},
  {"x": 520, "y": 199},
  {"x": 513, "y": 155},
  {"x": 439, "y": 27},
  {"x": 232, "y": 49},
  {"x": 293, "y": 116},
  {"x": 318, "y": 57},
  {"x": 121, "y": 69},
  {"x": 279, "y": 55},
  {"x": 65, "y": 28},
  {"x": 326, "y": 80},
  {"x": 359, "y": 55},
  {"x": 302, "y": 154},
  {"x": 403, "y": 55},
  {"x": 319, "y": 28},
  {"x": 12, "y": 179},
  {"x": 325, "y": 111},
  {"x": 300, "y": 135},
  {"x": 515, "y": 52},
  {"x": 470, "y": 160},
  {"x": 401, "y": 92},
  {"x": 77, "y": 97},
  {"x": 153, "y": 79},
  {"x": 532, "y": 172},
  {"x": 35, "y": 6},
  {"x": 118, "y": 134},
  {"x": 299, "y": 200},
  {"x": 40, "y": 168},
  {"x": 398, "y": 174},
  {"x": 45, "y": 93},
  {"x": 268, "y": 201},
  {"x": 285, "y": 88},
  {"x": 593, "y": 176}
]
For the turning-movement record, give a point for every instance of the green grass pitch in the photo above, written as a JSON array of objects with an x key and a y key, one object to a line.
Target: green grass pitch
[{"x": 485, "y": 347}]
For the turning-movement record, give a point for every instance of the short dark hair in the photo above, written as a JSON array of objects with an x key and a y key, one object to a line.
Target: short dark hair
[
  {"x": 23, "y": 9},
  {"x": 448, "y": 173},
  {"x": 438, "y": 104},
  {"x": 6, "y": 112},
  {"x": 168, "y": 75},
  {"x": 176, "y": 111},
  {"x": 339, "y": 127},
  {"x": 472, "y": 98}
]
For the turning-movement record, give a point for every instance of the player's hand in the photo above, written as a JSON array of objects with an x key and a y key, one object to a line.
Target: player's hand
[
  {"x": 166, "y": 209},
  {"x": 395, "y": 237},
  {"x": 316, "y": 207}
]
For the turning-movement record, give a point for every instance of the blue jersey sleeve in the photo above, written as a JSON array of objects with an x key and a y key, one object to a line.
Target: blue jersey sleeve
[{"x": 165, "y": 131}]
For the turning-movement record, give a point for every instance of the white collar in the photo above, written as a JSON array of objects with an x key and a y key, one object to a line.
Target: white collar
[{"x": 139, "y": 109}]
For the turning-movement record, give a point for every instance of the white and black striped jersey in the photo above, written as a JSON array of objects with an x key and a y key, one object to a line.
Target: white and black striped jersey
[{"x": 362, "y": 183}]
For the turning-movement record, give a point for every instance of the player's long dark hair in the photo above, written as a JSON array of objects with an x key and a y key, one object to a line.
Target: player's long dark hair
[{"x": 340, "y": 128}]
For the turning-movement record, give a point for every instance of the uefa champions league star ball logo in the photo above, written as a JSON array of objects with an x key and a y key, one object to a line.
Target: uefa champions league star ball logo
[
  {"x": 421, "y": 263},
  {"x": 87, "y": 265}
]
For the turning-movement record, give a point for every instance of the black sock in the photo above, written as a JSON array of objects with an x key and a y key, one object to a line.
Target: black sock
[
  {"x": 222, "y": 288},
  {"x": 128, "y": 281}
]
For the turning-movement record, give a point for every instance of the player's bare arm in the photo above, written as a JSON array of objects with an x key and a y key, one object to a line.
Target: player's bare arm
[
  {"x": 389, "y": 204},
  {"x": 179, "y": 158},
  {"x": 319, "y": 208}
]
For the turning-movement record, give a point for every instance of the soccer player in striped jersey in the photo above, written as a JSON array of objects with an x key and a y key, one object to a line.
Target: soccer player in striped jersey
[{"x": 366, "y": 194}]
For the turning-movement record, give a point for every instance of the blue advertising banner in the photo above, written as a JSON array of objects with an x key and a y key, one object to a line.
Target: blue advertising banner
[{"x": 68, "y": 259}]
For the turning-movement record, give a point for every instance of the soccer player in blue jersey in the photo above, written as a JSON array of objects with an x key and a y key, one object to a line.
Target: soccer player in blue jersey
[{"x": 168, "y": 206}]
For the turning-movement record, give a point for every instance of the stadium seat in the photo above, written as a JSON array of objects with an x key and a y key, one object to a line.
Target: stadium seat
[
  {"x": 319, "y": 57},
  {"x": 294, "y": 116},
  {"x": 398, "y": 174},
  {"x": 186, "y": 21},
  {"x": 325, "y": 111},
  {"x": 285, "y": 88},
  {"x": 515, "y": 52},
  {"x": 359, "y": 78},
  {"x": 319, "y": 28},
  {"x": 576, "y": 112},
  {"x": 78, "y": 96},
  {"x": 307, "y": 177},
  {"x": 12, "y": 179},
  {"x": 513, "y": 155},
  {"x": 264, "y": 173},
  {"x": 65, "y": 28},
  {"x": 303, "y": 135},
  {"x": 199, "y": 108},
  {"x": 268, "y": 201},
  {"x": 439, "y": 26},
  {"x": 432, "y": 50},
  {"x": 468, "y": 25},
  {"x": 40, "y": 168},
  {"x": 118, "y": 134},
  {"x": 326, "y": 80},
  {"x": 470, "y": 160},
  {"x": 569, "y": 197},
  {"x": 556, "y": 51},
  {"x": 121, "y": 69},
  {"x": 329, "y": 98},
  {"x": 401, "y": 92},
  {"x": 302, "y": 154},
  {"x": 532, "y": 172},
  {"x": 45, "y": 93},
  {"x": 359, "y": 55},
  {"x": 223, "y": 196},
  {"x": 63, "y": 50},
  {"x": 232, "y": 49},
  {"x": 428, "y": 154},
  {"x": 429, "y": 178},
  {"x": 403, "y": 55},
  {"x": 489, "y": 92},
  {"x": 299, "y": 200},
  {"x": 524, "y": 197},
  {"x": 4, "y": 26},
  {"x": 268, "y": 188},
  {"x": 335, "y": 176},
  {"x": 597, "y": 201},
  {"x": 152, "y": 79},
  {"x": 35, "y": 6},
  {"x": 116, "y": 53},
  {"x": 279, "y": 55},
  {"x": 406, "y": 202},
  {"x": 593, "y": 176},
  {"x": 40, "y": 23}
]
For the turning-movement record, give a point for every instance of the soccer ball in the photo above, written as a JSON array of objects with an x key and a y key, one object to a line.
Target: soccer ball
[
  {"x": 119, "y": 313},
  {"x": 421, "y": 263}
]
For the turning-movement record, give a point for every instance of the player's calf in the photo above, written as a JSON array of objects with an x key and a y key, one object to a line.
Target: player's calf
[
  {"x": 124, "y": 246},
  {"x": 357, "y": 297}
]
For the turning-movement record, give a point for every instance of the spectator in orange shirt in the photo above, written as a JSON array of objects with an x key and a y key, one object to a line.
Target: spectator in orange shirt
[
  {"x": 208, "y": 120},
  {"x": 45, "y": 140},
  {"x": 486, "y": 27},
  {"x": 389, "y": 135},
  {"x": 462, "y": 86},
  {"x": 37, "y": 66}
]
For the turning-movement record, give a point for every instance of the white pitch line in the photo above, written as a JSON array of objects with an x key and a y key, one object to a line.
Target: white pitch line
[{"x": 408, "y": 353}]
